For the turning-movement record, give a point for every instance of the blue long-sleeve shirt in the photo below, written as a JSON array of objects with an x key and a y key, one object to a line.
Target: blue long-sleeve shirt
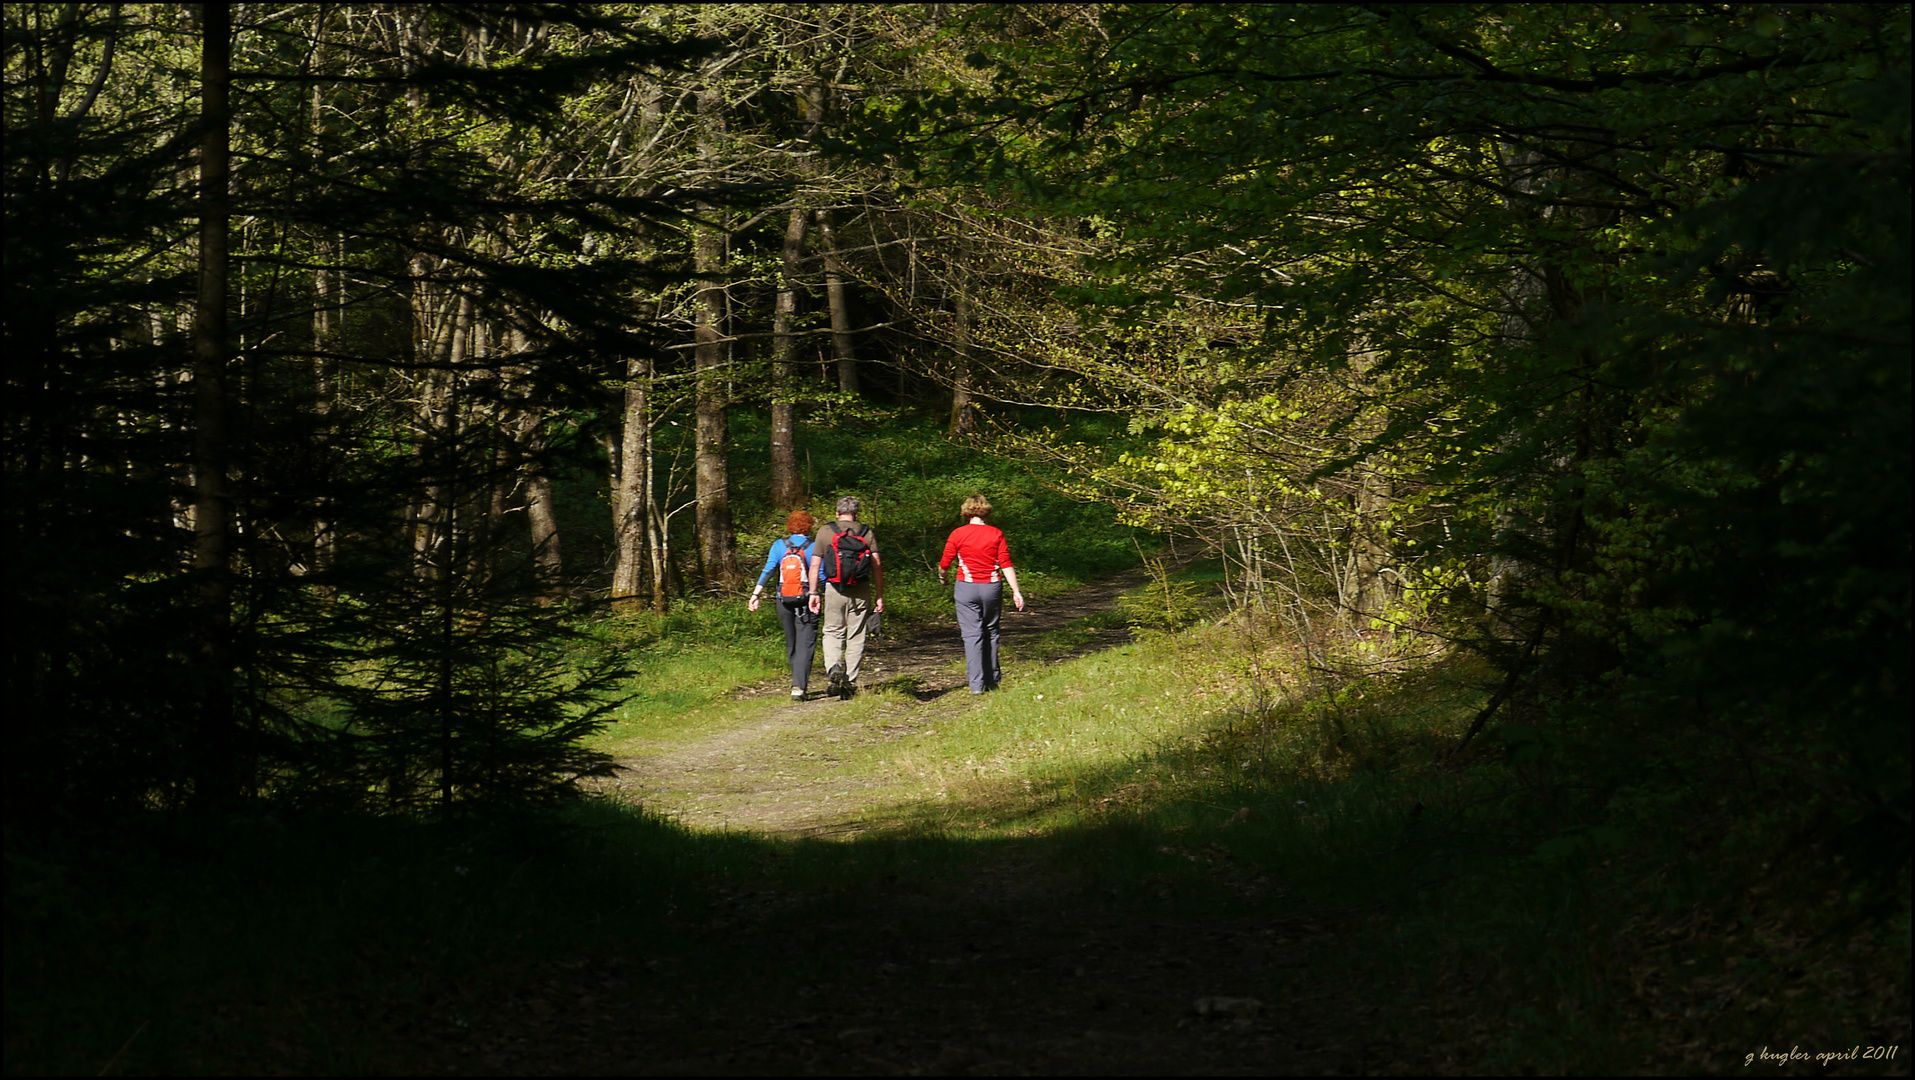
[{"x": 778, "y": 550}]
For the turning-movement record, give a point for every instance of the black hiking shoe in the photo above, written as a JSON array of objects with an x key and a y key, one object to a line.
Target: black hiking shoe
[{"x": 834, "y": 681}]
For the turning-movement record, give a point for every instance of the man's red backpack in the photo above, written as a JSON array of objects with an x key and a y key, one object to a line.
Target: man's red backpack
[{"x": 848, "y": 559}]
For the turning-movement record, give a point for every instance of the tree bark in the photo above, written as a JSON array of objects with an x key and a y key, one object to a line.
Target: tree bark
[
  {"x": 840, "y": 314},
  {"x": 531, "y": 467},
  {"x": 630, "y": 503},
  {"x": 717, "y": 550},
  {"x": 787, "y": 483},
  {"x": 963, "y": 413},
  {"x": 658, "y": 540},
  {"x": 219, "y": 780},
  {"x": 1374, "y": 590},
  {"x": 325, "y": 540},
  {"x": 444, "y": 351},
  {"x": 541, "y": 512},
  {"x": 1525, "y": 174}
]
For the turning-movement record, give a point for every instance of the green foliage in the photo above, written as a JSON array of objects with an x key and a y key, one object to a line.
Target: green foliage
[
  {"x": 1611, "y": 311},
  {"x": 1762, "y": 551},
  {"x": 912, "y": 480},
  {"x": 465, "y": 708},
  {"x": 1166, "y": 603}
]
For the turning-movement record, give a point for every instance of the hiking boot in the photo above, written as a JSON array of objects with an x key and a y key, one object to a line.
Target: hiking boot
[
  {"x": 834, "y": 681},
  {"x": 797, "y": 693},
  {"x": 849, "y": 691}
]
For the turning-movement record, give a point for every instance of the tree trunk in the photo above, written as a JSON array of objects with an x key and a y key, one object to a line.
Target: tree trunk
[
  {"x": 630, "y": 502},
  {"x": 325, "y": 541},
  {"x": 446, "y": 453},
  {"x": 503, "y": 478},
  {"x": 658, "y": 540},
  {"x": 219, "y": 778},
  {"x": 1374, "y": 589},
  {"x": 328, "y": 295},
  {"x": 519, "y": 462},
  {"x": 1525, "y": 173},
  {"x": 787, "y": 483},
  {"x": 444, "y": 351},
  {"x": 840, "y": 315},
  {"x": 718, "y": 558},
  {"x": 963, "y": 413},
  {"x": 541, "y": 513}
]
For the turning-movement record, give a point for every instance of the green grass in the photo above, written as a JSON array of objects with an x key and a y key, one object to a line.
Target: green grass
[{"x": 1063, "y": 641}]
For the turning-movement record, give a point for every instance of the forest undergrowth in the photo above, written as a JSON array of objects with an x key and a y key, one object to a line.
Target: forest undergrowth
[{"x": 1435, "y": 913}]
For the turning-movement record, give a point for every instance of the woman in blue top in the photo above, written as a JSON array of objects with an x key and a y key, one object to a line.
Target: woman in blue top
[{"x": 794, "y": 612}]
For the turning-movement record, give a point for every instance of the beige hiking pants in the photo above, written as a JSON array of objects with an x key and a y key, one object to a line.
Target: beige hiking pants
[{"x": 846, "y": 614}]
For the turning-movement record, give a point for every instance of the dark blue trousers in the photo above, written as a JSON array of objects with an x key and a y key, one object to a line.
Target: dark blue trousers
[{"x": 801, "y": 639}]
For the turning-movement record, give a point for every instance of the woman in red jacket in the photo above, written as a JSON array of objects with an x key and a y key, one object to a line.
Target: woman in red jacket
[{"x": 981, "y": 556}]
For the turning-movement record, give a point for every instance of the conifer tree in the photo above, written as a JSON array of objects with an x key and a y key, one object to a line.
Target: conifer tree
[{"x": 402, "y": 214}]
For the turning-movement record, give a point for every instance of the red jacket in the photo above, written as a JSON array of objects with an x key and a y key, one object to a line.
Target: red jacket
[{"x": 980, "y": 552}]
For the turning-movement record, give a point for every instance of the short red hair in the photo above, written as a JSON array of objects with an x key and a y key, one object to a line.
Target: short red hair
[{"x": 800, "y": 521}]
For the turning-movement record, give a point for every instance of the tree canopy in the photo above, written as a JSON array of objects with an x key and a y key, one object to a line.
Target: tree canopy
[{"x": 1605, "y": 312}]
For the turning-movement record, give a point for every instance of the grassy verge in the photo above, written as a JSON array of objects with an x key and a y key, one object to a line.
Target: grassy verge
[{"x": 687, "y": 667}]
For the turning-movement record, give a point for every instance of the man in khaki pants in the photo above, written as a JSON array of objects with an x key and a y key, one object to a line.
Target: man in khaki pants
[{"x": 848, "y": 588}]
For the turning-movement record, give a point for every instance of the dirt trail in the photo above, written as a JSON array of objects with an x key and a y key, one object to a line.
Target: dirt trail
[
  {"x": 777, "y": 774},
  {"x": 1012, "y": 967}
]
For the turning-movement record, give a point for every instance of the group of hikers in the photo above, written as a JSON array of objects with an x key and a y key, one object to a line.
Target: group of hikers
[{"x": 834, "y": 580}]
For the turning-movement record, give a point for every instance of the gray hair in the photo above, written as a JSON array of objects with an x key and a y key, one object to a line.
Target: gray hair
[{"x": 848, "y": 504}]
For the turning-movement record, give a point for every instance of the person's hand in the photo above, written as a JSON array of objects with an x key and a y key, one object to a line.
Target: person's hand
[
  {"x": 880, "y": 605},
  {"x": 752, "y": 604},
  {"x": 1018, "y": 598},
  {"x": 813, "y": 602}
]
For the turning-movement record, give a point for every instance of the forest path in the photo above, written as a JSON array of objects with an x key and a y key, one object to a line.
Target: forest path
[
  {"x": 782, "y": 771},
  {"x": 1011, "y": 962}
]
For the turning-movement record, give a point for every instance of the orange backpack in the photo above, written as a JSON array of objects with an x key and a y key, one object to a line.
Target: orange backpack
[{"x": 791, "y": 571}]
